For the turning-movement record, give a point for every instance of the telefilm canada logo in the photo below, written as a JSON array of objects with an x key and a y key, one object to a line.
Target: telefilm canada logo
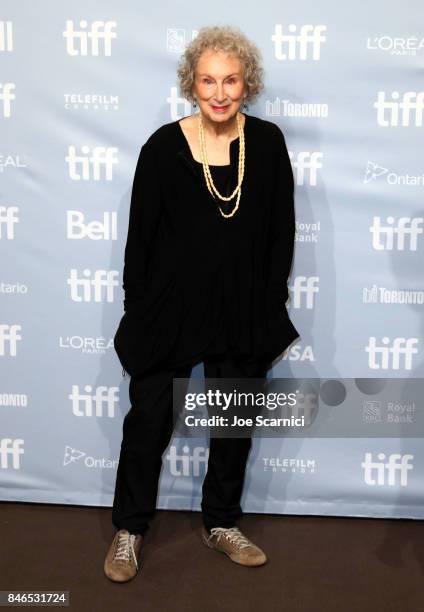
[
  {"x": 91, "y": 101},
  {"x": 289, "y": 465}
]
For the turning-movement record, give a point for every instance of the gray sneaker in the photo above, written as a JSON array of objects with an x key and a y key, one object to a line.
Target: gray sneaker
[{"x": 121, "y": 563}]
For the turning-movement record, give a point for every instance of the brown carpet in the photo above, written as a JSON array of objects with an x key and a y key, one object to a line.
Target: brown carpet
[{"x": 315, "y": 563}]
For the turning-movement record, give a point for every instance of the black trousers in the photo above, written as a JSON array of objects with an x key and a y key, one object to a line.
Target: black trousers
[{"x": 147, "y": 430}]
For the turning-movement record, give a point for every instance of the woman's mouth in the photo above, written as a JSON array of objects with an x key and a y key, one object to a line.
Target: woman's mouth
[{"x": 220, "y": 108}]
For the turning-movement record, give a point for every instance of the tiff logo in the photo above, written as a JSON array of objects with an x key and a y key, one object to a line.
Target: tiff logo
[
  {"x": 11, "y": 450},
  {"x": 76, "y": 229},
  {"x": 90, "y": 287},
  {"x": 175, "y": 101},
  {"x": 306, "y": 160},
  {"x": 298, "y": 44},
  {"x": 186, "y": 464},
  {"x": 8, "y": 338},
  {"x": 101, "y": 403},
  {"x": 389, "y": 354},
  {"x": 6, "y": 96},
  {"x": 8, "y": 220},
  {"x": 391, "y": 472},
  {"x": 306, "y": 286},
  {"x": 6, "y": 36},
  {"x": 393, "y": 236},
  {"x": 399, "y": 109},
  {"x": 80, "y": 165},
  {"x": 86, "y": 40}
]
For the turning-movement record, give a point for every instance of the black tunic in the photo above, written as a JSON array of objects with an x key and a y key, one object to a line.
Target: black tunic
[
  {"x": 196, "y": 283},
  {"x": 220, "y": 344}
]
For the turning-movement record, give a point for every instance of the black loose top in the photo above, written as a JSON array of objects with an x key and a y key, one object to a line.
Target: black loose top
[{"x": 197, "y": 283}]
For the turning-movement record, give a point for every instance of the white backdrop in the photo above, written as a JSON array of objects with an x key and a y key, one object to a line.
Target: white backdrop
[{"x": 81, "y": 88}]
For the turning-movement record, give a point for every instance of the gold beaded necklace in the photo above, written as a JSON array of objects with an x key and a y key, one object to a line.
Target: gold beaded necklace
[{"x": 207, "y": 172}]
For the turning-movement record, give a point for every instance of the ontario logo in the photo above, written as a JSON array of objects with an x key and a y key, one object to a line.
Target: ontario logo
[{"x": 73, "y": 455}]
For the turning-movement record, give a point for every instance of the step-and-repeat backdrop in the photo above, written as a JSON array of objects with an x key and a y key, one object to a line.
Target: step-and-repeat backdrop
[{"x": 82, "y": 86}]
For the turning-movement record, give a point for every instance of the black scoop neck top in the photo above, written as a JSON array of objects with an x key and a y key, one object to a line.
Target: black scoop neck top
[{"x": 198, "y": 284}]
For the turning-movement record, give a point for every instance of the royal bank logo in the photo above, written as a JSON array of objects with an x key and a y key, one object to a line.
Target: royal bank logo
[
  {"x": 400, "y": 110},
  {"x": 93, "y": 164},
  {"x": 391, "y": 471},
  {"x": 176, "y": 39},
  {"x": 371, "y": 411},
  {"x": 298, "y": 43},
  {"x": 6, "y": 36},
  {"x": 92, "y": 39},
  {"x": 391, "y": 354},
  {"x": 307, "y": 232},
  {"x": 396, "y": 234}
]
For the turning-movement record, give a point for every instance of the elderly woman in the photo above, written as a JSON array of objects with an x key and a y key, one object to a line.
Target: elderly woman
[{"x": 208, "y": 254}]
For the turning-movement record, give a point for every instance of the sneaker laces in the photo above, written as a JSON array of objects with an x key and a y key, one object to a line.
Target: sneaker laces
[
  {"x": 233, "y": 534},
  {"x": 125, "y": 547}
]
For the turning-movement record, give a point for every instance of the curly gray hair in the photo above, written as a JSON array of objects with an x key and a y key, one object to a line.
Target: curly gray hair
[{"x": 230, "y": 40}]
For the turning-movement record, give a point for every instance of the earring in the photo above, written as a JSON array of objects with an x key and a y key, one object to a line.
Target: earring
[
  {"x": 194, "y": 102},
  {"x": 245, "y": 104}
]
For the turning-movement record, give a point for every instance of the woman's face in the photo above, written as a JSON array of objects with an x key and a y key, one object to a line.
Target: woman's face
[{"x": 218, "y": 82}]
